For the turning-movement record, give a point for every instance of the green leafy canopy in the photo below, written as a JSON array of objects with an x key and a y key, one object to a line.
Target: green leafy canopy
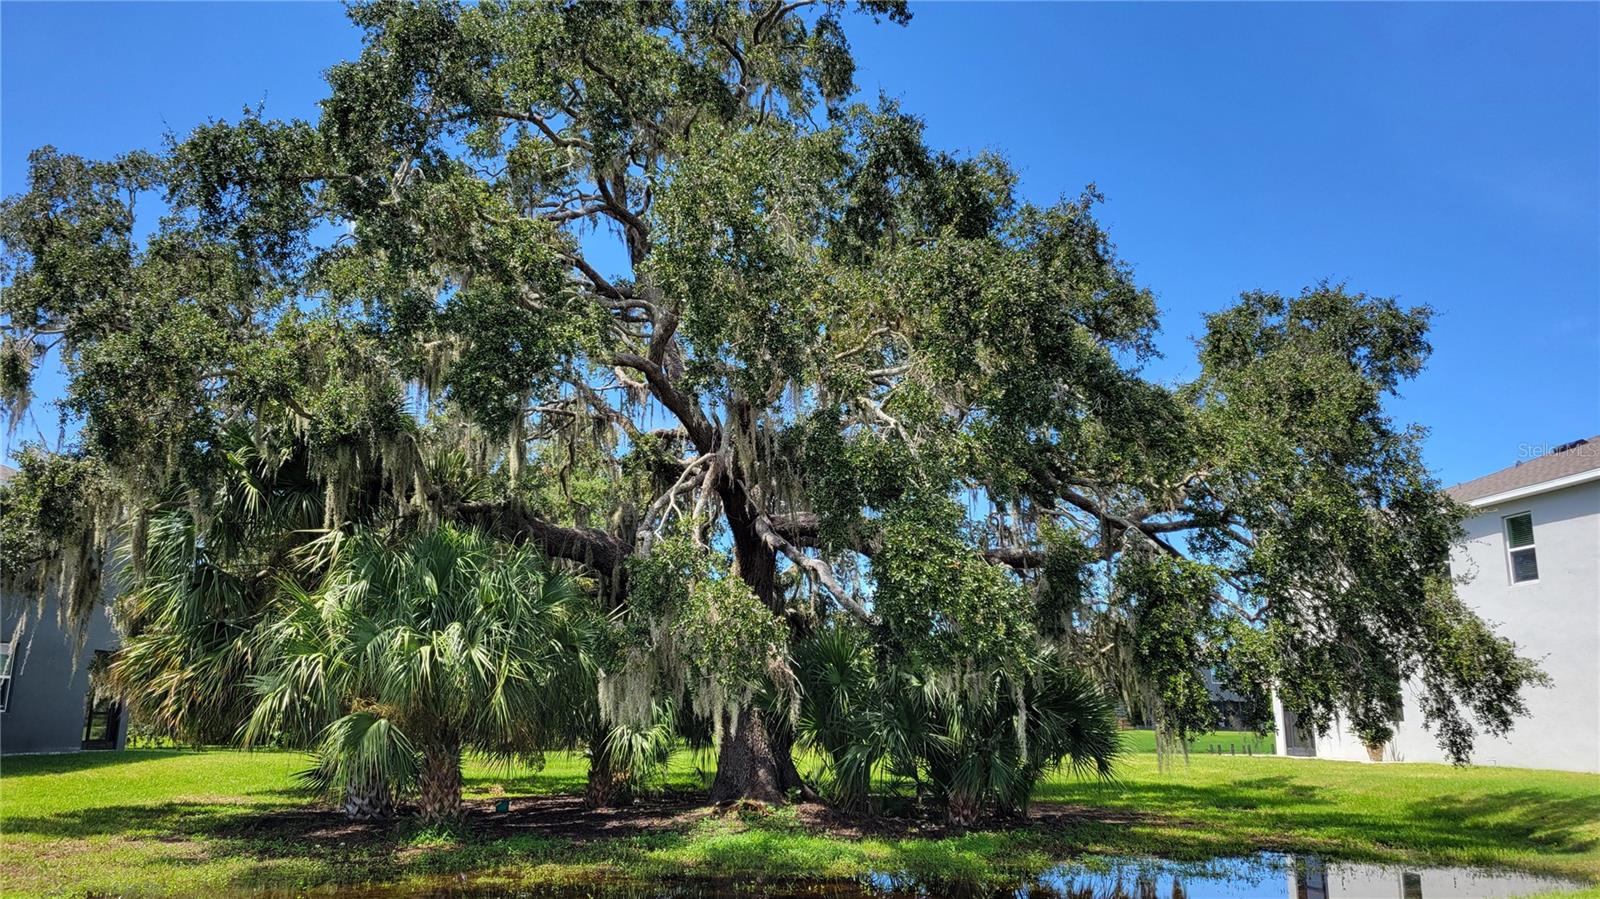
[{"x": 827, "y": 376}]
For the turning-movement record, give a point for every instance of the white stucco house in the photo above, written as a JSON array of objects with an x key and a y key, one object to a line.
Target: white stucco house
[{"x": 1533, "y": 555}]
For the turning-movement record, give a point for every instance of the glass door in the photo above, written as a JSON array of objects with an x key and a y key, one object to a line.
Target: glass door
[
  {"x": 102, "y": 716},
  {"x": 1297, "y": 740}
]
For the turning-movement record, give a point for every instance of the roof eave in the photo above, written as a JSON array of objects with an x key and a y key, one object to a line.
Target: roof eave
[{"x": 1505, "y": 496}]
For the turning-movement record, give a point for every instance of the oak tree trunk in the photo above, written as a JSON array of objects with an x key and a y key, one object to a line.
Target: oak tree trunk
[
  {"x": 746, "y": 765},
  {"x": 440, "y": 783}
]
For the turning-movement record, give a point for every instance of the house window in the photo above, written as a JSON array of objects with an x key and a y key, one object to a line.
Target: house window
[
  {"x": 1521, "y": 555},
  {"x": 8, "y": 655}
]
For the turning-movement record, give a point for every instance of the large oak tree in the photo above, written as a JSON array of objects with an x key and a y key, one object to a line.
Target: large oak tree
[{"x": 645, "y": 287}]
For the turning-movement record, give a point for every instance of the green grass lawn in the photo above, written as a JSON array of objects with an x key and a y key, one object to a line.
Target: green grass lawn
[
  {"x": 170, "y": 821},
  {"x": 1226, "y": 742}
]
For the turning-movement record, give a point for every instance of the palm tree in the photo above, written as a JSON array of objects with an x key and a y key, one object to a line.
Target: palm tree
[
  {"x": 409, "y": 653},
  {"x": 189, "y": 651},
  {"x": 990, "y": 736},
  {"x": 838, "y": 690},
  {"x": 197, "y": 577},
  {"x": 978, "y": 740}
]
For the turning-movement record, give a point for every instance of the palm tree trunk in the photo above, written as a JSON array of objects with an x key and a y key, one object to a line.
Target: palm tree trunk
[
  {"x": 440, "y": 783},
  {"x": 962, "y": 809},
  {"x": 367, "y": 800},
  {"x": 608, "y": 785}
]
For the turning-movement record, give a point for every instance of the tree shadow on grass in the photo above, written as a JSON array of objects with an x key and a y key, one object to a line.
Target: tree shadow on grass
[
  {"x": 309, "y": 844},
  {"x": 168, "y": 819},
  {"x": 69, "y": 762},
  {"x": 1531, "y": 818},
  {"x": 1523, "y": 819}
]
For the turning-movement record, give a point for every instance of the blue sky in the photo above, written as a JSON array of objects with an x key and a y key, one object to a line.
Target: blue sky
[{"x": 1446, "y": 154}]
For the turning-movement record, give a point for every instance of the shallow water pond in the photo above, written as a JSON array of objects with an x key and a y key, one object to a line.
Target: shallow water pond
[{"x": 1263, "y": 876}]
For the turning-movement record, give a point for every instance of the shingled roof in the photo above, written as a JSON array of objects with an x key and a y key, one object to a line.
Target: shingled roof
[{"x": 1564, "y": 461}]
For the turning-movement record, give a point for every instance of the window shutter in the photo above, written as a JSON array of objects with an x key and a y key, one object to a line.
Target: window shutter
[{"x": 1519, "y": 529}]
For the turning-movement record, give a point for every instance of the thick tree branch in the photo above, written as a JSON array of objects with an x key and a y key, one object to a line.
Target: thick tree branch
[
  {"x": 602, "y": 286},
  {"x": 540, "y": 122},
  {"x": 586, "y": 546},
  {"x": 1120, "y": 523},
  {"x": 817, "y": 568},
  {"x": 700, "y": 429}
]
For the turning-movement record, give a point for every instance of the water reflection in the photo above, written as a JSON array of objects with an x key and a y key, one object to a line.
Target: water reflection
[
  {"x": 1256, "y": 877},
  {"x": 1280, "y": 877}
]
